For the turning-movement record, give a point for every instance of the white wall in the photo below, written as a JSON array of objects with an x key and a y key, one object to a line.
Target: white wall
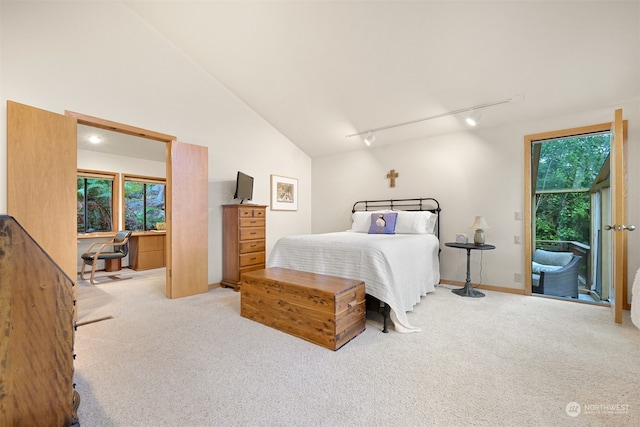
[
  {"x": 475, "y": 173},
  {"x": 100, "y": 59}
]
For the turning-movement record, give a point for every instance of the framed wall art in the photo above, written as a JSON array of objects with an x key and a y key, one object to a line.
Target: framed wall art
[{"x": 284, "y": 193}]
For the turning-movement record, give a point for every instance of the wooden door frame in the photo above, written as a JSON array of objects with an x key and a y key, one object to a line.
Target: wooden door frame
[
  {"x": 618, "y": 215},
  {"x": 528, "y": 192},
  {"x": 84, "y": 119}
]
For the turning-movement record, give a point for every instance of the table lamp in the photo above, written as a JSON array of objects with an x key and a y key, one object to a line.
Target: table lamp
[{"x": 479, "y": 224}]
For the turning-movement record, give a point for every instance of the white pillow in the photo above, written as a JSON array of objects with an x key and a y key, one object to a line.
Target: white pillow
[
  {"x": 415, "y": 222},
  {"x": 362, "y": 220},
  {"x": 431, "y": 222}
]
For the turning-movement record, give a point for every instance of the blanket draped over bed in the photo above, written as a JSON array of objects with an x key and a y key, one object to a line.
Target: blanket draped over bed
[
  {"x": 635, "y": 300},
  {"x": 386, "y": 263}
]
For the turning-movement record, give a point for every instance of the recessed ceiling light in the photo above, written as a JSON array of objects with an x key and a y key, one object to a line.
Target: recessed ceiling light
[{"x": 95, "y": 139}]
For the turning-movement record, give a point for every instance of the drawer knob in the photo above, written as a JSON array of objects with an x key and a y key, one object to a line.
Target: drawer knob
[{"x": 353, "y": 303}]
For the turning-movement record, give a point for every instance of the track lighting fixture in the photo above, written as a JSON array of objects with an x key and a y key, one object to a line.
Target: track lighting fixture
[{"x": 474, "y": 109}]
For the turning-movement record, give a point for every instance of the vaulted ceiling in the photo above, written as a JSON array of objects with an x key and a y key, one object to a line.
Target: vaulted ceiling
[{"x": 320, "y": 70}]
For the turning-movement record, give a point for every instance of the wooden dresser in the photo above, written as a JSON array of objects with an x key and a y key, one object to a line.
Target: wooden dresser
[
  {"x": 146, "y": 250},
  {"x": 243, "y": 241}
]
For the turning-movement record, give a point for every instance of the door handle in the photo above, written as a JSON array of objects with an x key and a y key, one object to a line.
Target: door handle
[{"x": 620, "y": 227}]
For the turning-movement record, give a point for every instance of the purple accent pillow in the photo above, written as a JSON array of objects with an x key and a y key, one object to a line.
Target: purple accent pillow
[{"x": 383, "y": 223}]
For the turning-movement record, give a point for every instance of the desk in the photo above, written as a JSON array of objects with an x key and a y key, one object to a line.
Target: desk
[
  {"x": 146, "y": 250},
  {"x": 467, "y": 290}
]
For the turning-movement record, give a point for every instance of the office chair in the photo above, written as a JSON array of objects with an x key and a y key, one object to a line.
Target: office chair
[{"x": 118, "y": 247}]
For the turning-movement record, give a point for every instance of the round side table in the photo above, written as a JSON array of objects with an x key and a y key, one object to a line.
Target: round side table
[{"x": 467, "y": 290}]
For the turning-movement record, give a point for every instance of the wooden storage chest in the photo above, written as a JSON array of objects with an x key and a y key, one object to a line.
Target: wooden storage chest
[{"x": 326, "y": 310}]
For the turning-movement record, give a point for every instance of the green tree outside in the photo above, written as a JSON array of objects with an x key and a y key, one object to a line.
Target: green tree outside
[
  {"x": 95, "y": 201},
  {"x": 567, "y": 169}
]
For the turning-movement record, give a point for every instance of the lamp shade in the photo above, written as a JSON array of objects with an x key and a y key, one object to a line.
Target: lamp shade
[{"x": 479, "y": 223}]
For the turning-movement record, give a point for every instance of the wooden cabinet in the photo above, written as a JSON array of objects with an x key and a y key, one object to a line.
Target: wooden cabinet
[
  {"x": 243, "y": 241},
  {"x": 38, "y": 312},
  {"x": 146, "y": 251}
]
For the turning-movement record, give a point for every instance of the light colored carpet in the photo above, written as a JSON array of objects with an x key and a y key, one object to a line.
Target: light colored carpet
[{"x": 503, "y": 360}]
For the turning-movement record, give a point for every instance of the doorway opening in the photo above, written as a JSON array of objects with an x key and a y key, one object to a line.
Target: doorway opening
[
  {"x": 569, "y": 203},
  {"x": 119, "y": 199}
]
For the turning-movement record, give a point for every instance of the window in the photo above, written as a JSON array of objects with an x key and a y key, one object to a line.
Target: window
[
  {"x": 95, "y": 201},
  {"x": 567, "y": 169},
  {"x": 144, "y": 202}
]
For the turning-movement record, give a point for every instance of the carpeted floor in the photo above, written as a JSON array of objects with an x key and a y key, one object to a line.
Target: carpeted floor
[{"x": 502, "y": 360}]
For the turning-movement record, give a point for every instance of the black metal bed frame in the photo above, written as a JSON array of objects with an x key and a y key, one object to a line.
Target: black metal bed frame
[{"x": 420, "y": 204}]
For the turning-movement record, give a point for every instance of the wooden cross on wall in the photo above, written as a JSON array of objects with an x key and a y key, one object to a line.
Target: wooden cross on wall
[{"x": 391, "y": 176}]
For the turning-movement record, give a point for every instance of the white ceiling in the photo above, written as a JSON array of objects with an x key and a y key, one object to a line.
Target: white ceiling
[
  {"x": 121, "y": 144},
  {"x": 319, "y": 70}
]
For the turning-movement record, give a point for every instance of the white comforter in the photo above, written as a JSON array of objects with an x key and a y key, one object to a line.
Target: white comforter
[{"x": 397, "y": 269}]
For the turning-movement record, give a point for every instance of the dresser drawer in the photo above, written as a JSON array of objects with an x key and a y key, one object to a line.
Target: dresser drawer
[
  {"x": 252, "y": 246},
  {"x": 251, "y": 259},
  {"x": 250, "y": 212},
  {"x": 252, "y": 233},
  {"x": 245, "y": 212},
  {"x": 252, "y": 222}
]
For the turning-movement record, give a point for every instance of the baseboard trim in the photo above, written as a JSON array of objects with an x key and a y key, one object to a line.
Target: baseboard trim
[
  {"x": 625, "y": 306},
  {"x": 502, "y": 289}
]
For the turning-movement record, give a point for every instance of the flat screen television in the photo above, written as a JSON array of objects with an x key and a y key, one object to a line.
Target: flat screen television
[{"x": 244, "y": 187}]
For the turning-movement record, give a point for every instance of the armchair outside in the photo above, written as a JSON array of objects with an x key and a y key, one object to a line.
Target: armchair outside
[{"x": 562, "y": 282}]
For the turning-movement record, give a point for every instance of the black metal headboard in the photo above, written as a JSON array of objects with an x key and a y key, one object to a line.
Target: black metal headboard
[{"x": 422, "y": 204}]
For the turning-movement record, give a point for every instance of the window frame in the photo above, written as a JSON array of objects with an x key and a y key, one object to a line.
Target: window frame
[
  {"x": 146, "y": 180},
  {"x": 115, "y": 196}
]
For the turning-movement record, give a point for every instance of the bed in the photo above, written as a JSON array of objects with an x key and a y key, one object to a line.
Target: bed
[{"x": 398, "y": 262}]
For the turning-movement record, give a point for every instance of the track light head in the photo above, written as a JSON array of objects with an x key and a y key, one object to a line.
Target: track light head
[
  {"x": 473, "y": 118},
  {"x": 369, "y": 139}
]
